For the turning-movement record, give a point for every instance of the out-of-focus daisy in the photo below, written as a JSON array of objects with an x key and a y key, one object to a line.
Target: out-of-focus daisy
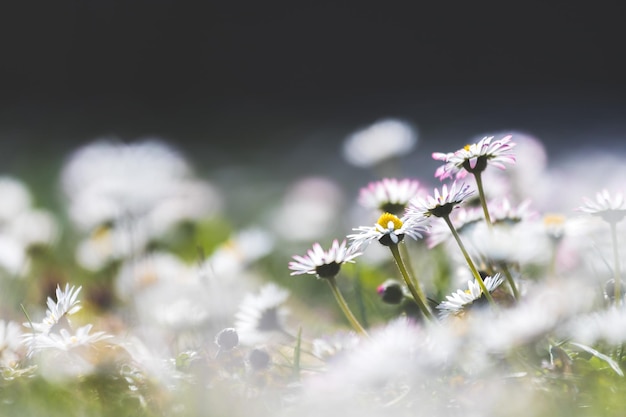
[
  {"x": 379, "y": 142},
  {"x": 475, "y": 157},
  {"x": 611, "y": 208},
  {"x": 64, "y": 339},
  {"x": 441, "y": 204},
  {"x": 389, "y": 195},
  {"x": 261, "y": 314},
  {"x": 141, "y": 189},
  {"x": 309, "y": 209},
  {"x": 11, "y": 345},
  {"x": 240, "y": 250},
  {"x": 463, "y": 219},
  {"x": 459, "y": 301},
  {"x": 324, "y": 264},
  {"x": 390, "y": 230}
]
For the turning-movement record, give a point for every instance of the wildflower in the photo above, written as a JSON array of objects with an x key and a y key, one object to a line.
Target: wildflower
[
  {"x": 464, "y": 219},
  {"x": 260, "y": 314},
  {"x": 459, "y": 301},
  {"x": 442, "y": 204},
  {"x": 389, "y": 230},
  {"x": 10, "y": 344},
  {"x": 67, "y": 304},
  {"x": 324, "y": 264},
  {"x": 64, "y": 339},
  {"x": 389, "y": 195},
  {"x": 611, "y": 208},
  {"x": 475, "y": 157},
  {"x": 379, "y": 142}
]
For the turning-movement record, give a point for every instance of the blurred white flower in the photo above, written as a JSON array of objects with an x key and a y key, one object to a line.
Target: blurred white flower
[
  {"x": 15, "y": 198},
  {"x": 262, "y": 315},
  {"x": 240, "y": 250},
  {"x": 381, "y": 141},
  {"x": 141, "y": 188},
  {"x": 309, "y": 210},
  {"x": 11, "y": 344}
]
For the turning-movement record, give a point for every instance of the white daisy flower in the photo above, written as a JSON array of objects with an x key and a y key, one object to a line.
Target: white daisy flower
[
  {"x": 475, "y": 157},
  {"x": 379, "y": 142},
  {"x": 459, "y": 301},
  {"x": 11, "y": 344},
  {"x": 441, "y": 204},
  {"x": 64, "y": 340},
  {"x": 261, "y": 314},
  {"x": 389, "y": 195},
  {"x": 324, "y": 264},
  {"x": 390, "y": 230},
  {"x": 611, "y": 208},
  {"x": 67, "y": 304}
]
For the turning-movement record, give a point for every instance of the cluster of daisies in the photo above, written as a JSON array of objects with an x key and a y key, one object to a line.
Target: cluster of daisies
[
  {"x": 483, "y": 279},
  {"x": 491, "y": 253}
]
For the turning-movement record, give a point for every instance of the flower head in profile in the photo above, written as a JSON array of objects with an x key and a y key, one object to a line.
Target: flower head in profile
[
  {"x": 474, "y": 158},
  {"x": 67, "y": 303},
  {"x": 441, "y": 204},
  {"x": 389, "y": 195},
  {"x": 390, "y": 230},
  {"x": 611, "y": 208},
  {"x": 461, "y": 300},
  {"x": 261, "y": 314},
  {"x": 324, "y": 264}
]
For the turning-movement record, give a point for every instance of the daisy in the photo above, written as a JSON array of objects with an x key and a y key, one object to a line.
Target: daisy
[
  {"x": 441, "y": 204},
  {"x": 379, "y": 142},
  {"x": 464, "y": 219},
  {"x": 67, "y": 304},
  {"x": 64, "y": 340},
  {"x": 475, "y": 157},
  {"x": 262, "y": 313},
  {"x": 389, "y": 195},
  {"x": 390, "y": 230},
  {"x": 10, "y": 344},
  {"x": 611, "y": 208},
  {"x": 460, "y": 300},
  {"x": 324, "y": 264}
]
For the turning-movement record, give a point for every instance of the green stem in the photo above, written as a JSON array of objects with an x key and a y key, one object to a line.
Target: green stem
[
  {"x": 479, "y": 279},
  {"x": 616, "y": 267},
  {"x": 510, "y": 280},
  {"x": 483, "y": 200},
  {"x": 418, "y": 295},
  {"x": 344, "y": 306}
]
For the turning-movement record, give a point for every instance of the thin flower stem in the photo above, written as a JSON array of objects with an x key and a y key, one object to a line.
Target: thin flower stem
[
  {"x": 616, "y": 266},
  {"x": 418, "y": 296},
  {"x": 344, "y": 306},
  {"x": 479, "y": 279},
  {"x": 483, "y": 200},
  {"x": 510, "y": 280}
]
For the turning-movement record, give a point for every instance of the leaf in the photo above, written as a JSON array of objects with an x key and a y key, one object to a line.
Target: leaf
[{"x": 601, "y": 356}]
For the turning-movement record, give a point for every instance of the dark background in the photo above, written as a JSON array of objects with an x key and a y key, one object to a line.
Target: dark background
[{"x": 239, "y": 82}]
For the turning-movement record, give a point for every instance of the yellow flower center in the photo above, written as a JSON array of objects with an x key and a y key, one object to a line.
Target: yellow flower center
[
  {"x": 386, "y": 218},
  {"x": 553, "y": 220},
  {"x": 467, "y": 147}
]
